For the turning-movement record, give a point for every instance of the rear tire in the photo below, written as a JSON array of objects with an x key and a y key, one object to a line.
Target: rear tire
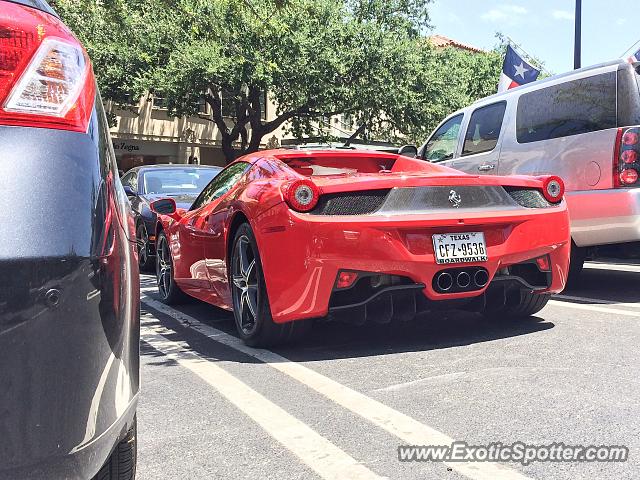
[
  {"x": 170, "y": 293},
  {"x": 576, "y": 265},
  {"x": 121, "y": 465},
  {"x": 527, "y": 304},
  {"x": 251, "y": 308}
]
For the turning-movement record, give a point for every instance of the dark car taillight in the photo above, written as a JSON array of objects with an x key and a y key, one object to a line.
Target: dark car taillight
[
  {"x": 626, "y": 158},
  {"x": 46, "y": 78}
]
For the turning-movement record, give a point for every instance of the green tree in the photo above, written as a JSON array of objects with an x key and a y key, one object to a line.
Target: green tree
[{"x": 315, "y": 58}]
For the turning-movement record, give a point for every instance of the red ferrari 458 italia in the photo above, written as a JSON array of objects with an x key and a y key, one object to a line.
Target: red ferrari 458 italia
[{"x": 282, "y": 237}]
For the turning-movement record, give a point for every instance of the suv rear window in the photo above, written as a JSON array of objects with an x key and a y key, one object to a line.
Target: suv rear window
[{"x": 569, "y": 108}]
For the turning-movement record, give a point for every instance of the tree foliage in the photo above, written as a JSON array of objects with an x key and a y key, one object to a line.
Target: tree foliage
[{"x": 315, "y": 58}]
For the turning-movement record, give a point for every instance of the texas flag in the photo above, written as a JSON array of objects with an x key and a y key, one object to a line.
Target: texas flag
[
  {"x": 515, "y": 71},
  {"x": 634, "y": 57}
]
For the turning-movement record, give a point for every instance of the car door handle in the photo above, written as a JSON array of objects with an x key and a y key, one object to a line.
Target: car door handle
[{"x": 487, "y": 167}]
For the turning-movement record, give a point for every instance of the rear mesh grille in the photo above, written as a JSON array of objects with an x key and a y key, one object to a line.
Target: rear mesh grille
[
  {"x": 350, "y": 203},
  {"x": 528, "y": 197}
]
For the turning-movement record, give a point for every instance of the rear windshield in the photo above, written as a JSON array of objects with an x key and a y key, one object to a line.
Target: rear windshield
[
  {"x": 569, "y": 108},
  {"x": 176, "y": 180}
]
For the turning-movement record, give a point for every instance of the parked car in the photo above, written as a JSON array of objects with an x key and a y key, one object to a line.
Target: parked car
[
  {"x": 69, "y": 287},
  {"x": 285, "y": 236},
  {"x": 581, "y": 126},
  {"x": 148, "y": 183}
]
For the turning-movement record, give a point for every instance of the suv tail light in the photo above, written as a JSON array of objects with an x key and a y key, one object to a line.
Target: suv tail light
[
  {"x": 626, "y": 158},
  {"x": 46, "y": 78}
]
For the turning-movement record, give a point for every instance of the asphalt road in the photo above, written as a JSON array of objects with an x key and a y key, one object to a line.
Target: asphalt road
[{"x": 338, "y": 405}]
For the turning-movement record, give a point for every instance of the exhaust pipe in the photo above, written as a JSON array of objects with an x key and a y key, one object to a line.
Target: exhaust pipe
[
  {"x": 463, "y": 280},
  {"x": 481, "y": 278},
  {"x": 444, "y": 281}
]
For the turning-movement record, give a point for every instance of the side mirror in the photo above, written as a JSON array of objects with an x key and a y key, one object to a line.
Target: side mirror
[
  {"x": 129, "y": 191},
  {"x": 408, "y": 151},
  {"x": 164, "y": 206}
]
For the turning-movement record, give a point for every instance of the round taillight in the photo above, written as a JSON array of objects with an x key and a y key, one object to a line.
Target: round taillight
[
  {"x": 630, "y": 138},
  {"x": 629, "y": 176},
  {"x": 629, "y": 156},
  {"x": 553, "y": 189},
  {"x": 302, "y": 195}
]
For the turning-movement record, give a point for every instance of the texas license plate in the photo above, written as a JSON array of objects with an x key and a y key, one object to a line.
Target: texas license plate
[{"x": 460, "y": 247}]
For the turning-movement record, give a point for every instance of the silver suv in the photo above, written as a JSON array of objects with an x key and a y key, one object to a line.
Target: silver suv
[{"x": 580, "y": 126}]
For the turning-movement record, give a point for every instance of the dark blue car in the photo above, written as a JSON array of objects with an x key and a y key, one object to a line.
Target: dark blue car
[
  {"x": 69, "y": 282},
  {"x": 146, "y": 184}
]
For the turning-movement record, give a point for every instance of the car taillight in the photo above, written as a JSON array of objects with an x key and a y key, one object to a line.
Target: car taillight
[
  {"x": 46, "y": 78},
  {"x": 301, "y": 195},
  {"x": 626, "y": 164},
  {"x": 552, "y": 188}
]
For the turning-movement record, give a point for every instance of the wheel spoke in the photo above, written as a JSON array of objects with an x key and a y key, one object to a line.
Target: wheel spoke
[
  {"x": 249, "y": 271},
  {"x": 241, "y": 305},
  {"x": 252, "y": 300},
  {"x": 239, "y": 281}
]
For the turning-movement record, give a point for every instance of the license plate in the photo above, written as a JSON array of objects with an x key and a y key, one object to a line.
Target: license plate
[{"x": 460, "y": 247}]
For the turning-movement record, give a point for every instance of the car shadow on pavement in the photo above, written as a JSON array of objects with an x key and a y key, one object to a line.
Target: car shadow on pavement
[
  {"x": 608, "y": 285},
  {"x": 333, "y": 340},
  {"x": 438, "y": 330}
]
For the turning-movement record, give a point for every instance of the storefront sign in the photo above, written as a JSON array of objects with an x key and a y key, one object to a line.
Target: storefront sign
[
  {"x": 144, "y": 148},
  {"x": 125, "y": 147}
]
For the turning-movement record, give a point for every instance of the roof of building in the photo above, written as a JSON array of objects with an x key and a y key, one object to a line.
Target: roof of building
[{"x": 442, "y": 41}]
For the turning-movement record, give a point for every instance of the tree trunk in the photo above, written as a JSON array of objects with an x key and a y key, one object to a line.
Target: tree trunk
[{"x": 227, "y": 148}]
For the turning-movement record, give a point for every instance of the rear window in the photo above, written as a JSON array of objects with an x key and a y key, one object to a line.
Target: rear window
[
  {"x": 484, "y": 129},
  {"x": 570, "y": 108},
  {"x": 174, "y": 180}
]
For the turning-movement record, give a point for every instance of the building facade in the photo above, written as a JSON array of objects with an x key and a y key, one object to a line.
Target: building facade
[{"x": 144, "y": 134}]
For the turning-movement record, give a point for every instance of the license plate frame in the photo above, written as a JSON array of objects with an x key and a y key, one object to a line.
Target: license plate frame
[{"x": 462, "y": 247}]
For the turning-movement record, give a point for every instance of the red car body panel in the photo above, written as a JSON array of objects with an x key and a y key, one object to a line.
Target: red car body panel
[{"x": 302, "y": 253}]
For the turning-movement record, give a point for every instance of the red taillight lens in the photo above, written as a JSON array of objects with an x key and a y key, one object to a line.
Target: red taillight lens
[
  {"x": 626, "y": 158},
  {"x": 301, "y": 195},
  {"x": 629, "y": 156},
  {"x": 544, "y": 263},
  {"x": 45, "y": 75},
  {"x": 346, "y": 279},
  {"x": 553, "y": 189},
  {"x": 630, "y": 138},
  {"x": 629, "y": 176}
]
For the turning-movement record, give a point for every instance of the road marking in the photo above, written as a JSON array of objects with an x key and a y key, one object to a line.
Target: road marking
[
  {"x": 326, "y": 459},
  {"x": 407, "y": 429},
  {"x": 593, "y": 308},
  {"x": 421, "y": 381},
  {"x": 613, "y": 266},
  {"x": 598, "y": 301}
]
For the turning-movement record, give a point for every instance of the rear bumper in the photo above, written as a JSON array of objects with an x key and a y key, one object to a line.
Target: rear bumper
[
  {"x": 82, "y": 463},
  {"x": 600, "y": 217},
  {"x": 302, "y": 254}
]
